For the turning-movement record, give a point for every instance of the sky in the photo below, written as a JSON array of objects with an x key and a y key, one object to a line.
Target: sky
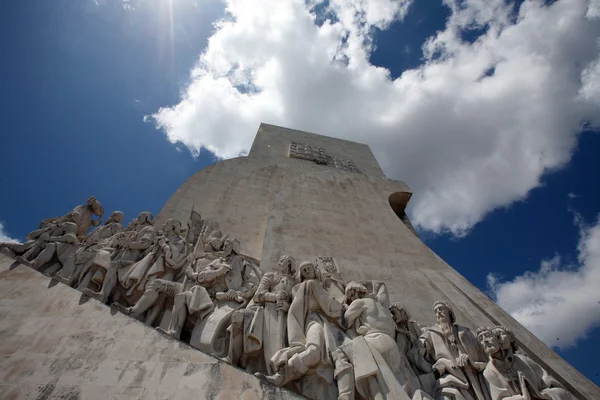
[{"x": 488, "y": 109}]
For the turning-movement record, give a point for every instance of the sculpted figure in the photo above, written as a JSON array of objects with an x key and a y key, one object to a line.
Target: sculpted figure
[
  {"x": 62, "y": 243},
  {"x": 456, "y": 357},
  {"x": 313, "y": 325},
  {"x": 215, "y": 241},
  {"x": 30, "y": 249},
  {"x": 86, "y": 221},
  {"x": 124, "y": 251},
  {"x": 226, "y": 278},
  {"x": 381, "y": 370},
  {"x": 165, "y": 260},
  {"x": 407, "y": 337},
  {"x": 76, "y": 262},
  {"x": 262, "y": 325},
  {"x": 512, "y": 376}
]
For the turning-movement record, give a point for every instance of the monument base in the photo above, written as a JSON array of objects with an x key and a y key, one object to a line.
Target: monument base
[{"x": 58, "y": 343}]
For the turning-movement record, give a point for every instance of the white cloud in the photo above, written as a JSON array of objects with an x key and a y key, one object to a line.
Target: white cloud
[
  {"x": 4, "y": 237},
  {"x": 559, "y": 303},
  {"x": 467, "y": 143}
]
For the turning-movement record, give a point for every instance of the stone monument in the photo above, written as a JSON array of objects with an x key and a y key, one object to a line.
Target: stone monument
[{"x": 291, "y": 272}]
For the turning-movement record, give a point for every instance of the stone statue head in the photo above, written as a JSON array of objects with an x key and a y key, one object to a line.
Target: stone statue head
[
  {"x": 443, "y": 312},
  {"x": 145, "y": 218},
  {"x": 354, "y": 291},
  {"x": 231, "y": 246},
  {"x": 306, "y": 271},
  {"x": 488, "y": 339},
  {"x": 115, "y": 216},
  {"x": 287, "y": 265},
  {"x": 172, "y": 226},
  {"x": 505, "y": 337},
  {"x": 399, "y": 313}
]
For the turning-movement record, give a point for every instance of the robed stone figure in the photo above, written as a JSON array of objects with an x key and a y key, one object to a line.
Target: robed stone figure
[{"x": 456, "y": 356}]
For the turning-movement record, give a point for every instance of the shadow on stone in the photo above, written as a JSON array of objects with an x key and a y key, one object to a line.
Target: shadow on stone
[
  {"x": 83, "y": 299},
  {"x": 53, "y": 282},
  {"x": 14, "y": 265}
]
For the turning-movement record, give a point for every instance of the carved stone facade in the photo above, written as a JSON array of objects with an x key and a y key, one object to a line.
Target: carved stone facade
[
  {"x": 325, "y": 323},
  {"x": 318, "y": 155}
]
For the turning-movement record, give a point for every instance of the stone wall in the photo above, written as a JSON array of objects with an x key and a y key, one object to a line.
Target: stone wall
[{"x": 58, "y": 344}]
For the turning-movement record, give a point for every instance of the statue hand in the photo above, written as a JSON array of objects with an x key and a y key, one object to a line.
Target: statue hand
[
  {"x": 189, "y": 272},
  {"x": 463, "y": 360},
  {"x": 201, "y": 277},
  {"x": 232, "y": 294},
  {"x": 280, "y": 296},
  {"x": 524, "y": 389},
  {"x": 283, "y": 305},
  {"x": 439, "y": 367},
  {"x": 154, "y": 285}
]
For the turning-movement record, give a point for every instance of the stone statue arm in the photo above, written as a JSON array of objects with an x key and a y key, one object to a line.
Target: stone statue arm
[
  {"x": 34, "y": 235},
  {"x": 144, "y": 243},
  {"x": 68, "y": 237},
  {"x": 176, "y": 255},
  {"x": 263, "y": 294},
  {"x": 498, "y": 391},
  {"x": 354, "y": 311},
  {"x": 216, "y": 269},
  {"x": 473, "y": 351}
]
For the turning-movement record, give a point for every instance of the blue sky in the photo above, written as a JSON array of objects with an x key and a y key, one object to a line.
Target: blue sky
[{"x": 78, "y": 78}]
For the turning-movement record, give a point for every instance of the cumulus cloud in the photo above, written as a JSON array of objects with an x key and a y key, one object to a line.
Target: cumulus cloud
[
  {"x": 4, "y": 237},
  {"x": 473, "y": 128},
  {"x": 559, "y": 303}
]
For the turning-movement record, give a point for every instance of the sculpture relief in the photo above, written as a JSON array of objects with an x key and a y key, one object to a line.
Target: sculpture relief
[
  {"x": 60, "y": 241},
  {"x": 77, "y": 261},
  {"x": 456, "y": 357},
  {"x": 314, "y": 331},
  {"x": 302, "y": 327},
  {"x": 114, "y": 263},
  {"x": 319, "y": 156},
  {"x": 380, "y": 369},
  {"x": 259, "y": 331},
  {"x": 514, "y": 376},
  {"x": 86, "y": 216}
]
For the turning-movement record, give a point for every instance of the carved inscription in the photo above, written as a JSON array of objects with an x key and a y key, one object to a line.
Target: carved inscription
[
  {"x": 318, "y": 155},
  {"x": 308, "y": 152}
]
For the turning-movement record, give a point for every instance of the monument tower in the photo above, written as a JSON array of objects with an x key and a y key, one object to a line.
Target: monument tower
[{"x": 310, "y": 226}]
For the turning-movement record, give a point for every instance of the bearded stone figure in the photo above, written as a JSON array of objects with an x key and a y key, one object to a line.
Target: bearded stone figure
[
  {"x": 456, "y": 357},
  {"x": 512, "y": 376}
]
